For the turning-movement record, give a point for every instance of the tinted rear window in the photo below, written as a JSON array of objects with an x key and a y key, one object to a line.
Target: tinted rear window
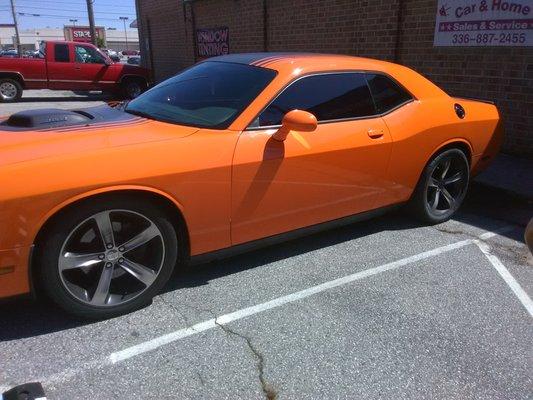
[
  {"x": 61, "y": 53},
  {"x": 328, "y": 97},
  {"x": 387, "y": 93}
]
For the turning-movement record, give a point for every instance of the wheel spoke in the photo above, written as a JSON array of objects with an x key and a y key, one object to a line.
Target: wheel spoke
[
  {"x": 433, "y": 182},
  {"x": 103, "y": 220},
  {"x": 449, "y": 198},
  {"x": 140, "y": 272},
  {"x": 435, "y": 201},
  {"x": 445, "y": 168},
  {"x": 142, "y": 238},
  {"x": 77, "y": 260},
  {"x": 120, "y": 271},
  {"x": 454, "y": 178},
  {"x": 102, "y": 290}
]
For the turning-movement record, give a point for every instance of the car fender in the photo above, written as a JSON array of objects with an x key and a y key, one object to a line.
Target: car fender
[
  {"x": 104, "y": 190},
  {"x": 452, "y": 141},
  {"x": 16, "y": 73}
]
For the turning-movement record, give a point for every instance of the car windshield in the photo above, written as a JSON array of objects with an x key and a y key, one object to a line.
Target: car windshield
[{"x": 210, "y": 94}]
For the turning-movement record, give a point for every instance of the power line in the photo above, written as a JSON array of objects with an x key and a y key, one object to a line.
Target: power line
[
  {"x": 64, "y": 9},
  {"x": 63, "y": 16},
  {"x": 97, "y": 3}
]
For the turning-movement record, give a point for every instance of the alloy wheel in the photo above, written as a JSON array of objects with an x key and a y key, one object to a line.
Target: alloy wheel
[
  {"x": 446, "y": 185},
  {"x": 8, "y": 91},
  {"x": 111, "y": 258}
]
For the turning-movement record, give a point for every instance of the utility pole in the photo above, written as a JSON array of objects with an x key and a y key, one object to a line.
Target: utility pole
[
  {"x": 17, "y": 36},
  {"x": 91, "y": 21},
  {"x": 124, "y": 19}
]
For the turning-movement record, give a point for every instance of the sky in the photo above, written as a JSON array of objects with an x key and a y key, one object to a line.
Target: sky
[{"x": 56, "y": 13}]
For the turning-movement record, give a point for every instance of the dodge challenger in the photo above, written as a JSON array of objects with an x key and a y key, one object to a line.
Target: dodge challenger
[{"x": 98, "y": 206}]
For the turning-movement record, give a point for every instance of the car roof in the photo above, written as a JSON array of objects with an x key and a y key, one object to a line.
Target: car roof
[
  {"x": 297, "y": 64},
  {"x": 278, "y": 60}
]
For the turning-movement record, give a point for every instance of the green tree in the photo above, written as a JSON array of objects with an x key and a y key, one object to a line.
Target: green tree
[{"x": 100, "y": 42}]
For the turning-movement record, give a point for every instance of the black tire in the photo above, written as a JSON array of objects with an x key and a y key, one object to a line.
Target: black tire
[
  {"x": 132, "y": 88},
  {"x": 430, "y": 201},
  {"x": 17, "y": 90},
  {"x": 50, "y": 249}
]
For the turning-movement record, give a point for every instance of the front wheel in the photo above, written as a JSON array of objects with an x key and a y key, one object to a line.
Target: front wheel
[
  {"x": 10, "y": 90},
  {"x": 106, "y": 258},
  {"x": 442, "y": 187}
]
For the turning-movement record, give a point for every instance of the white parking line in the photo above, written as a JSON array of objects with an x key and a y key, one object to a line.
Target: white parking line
[
  {"x": 507, "y": 277},
  {"x": 163, "y": 340},
  {"x": 246, "y": 312},
  {"x": 155, "y": 343}
]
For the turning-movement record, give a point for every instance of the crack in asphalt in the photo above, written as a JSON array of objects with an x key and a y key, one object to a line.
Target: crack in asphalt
[
  {"x": 519, "y": 256},
  {"x": 200, "y": 378},
  {"x": 268, "y": 390},
  {"x": 188, "y": 324},
  {"x": 176, "y": 310}
]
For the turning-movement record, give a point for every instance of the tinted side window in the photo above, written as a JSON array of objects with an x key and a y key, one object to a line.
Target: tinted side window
[
  {"x": 387, "y": 93},
  {"x": 328, "y": 97},
  {"x": 61, "y": 53}
]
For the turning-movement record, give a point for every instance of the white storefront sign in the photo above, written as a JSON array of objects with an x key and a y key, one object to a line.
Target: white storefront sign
[{"x": 484, "y": 23}]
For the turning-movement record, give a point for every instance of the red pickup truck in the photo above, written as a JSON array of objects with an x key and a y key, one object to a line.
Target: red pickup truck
[{"x": 70, "y": 66}]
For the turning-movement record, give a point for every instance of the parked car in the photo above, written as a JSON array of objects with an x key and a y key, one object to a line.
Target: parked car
[
  {"x": 130, "y": 52},
  {"x": 70, "y": 66},
  {"x": 9, "y": 54},
  {"x": 237, "y": 151},
  {"x": 134, "y": 60}
]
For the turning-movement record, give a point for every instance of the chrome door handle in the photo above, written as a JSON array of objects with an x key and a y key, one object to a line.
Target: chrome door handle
[{"x": 375, "y": 133}]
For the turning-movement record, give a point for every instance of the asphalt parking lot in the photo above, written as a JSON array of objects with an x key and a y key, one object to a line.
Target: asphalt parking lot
[
  {"x": 385, "y": 308},
  {"x": 379, "y": 309}
]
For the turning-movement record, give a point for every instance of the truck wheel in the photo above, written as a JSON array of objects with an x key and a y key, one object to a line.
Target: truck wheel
[
  {"x": 132, "y": 88},
  {"x": 10, "y": 90}
]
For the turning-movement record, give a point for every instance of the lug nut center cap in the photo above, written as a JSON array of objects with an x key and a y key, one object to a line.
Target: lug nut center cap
[{"x": 112, "y": 255}]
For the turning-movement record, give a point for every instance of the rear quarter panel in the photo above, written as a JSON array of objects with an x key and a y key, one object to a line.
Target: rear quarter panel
[{"x": 423, "y": 127}]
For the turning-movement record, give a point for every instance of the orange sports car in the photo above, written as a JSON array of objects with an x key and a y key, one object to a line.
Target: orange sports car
[{"x": 99, "y": 205}]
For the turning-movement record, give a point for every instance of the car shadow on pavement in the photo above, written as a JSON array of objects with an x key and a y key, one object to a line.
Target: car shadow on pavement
[
  {"x": 201, "y": 274},
  {"x": 23, "y": 318},
  {"x": 484, "y": 208}
]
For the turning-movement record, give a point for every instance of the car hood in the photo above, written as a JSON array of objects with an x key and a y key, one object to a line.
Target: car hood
[{"x": 46, "y": 133}]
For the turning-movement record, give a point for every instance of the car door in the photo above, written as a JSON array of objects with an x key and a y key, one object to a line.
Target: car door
[
  {"x": 311, "y": 177},
  {"x": 59, "y": 66},
  {"x": 90, "y": 68}
]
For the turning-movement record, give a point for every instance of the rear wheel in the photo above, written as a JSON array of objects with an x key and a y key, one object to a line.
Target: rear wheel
[
  {"x": 442, "y": 187},
  {"x": 10, "y": 90},
  {"x": 106, "y": 258}
]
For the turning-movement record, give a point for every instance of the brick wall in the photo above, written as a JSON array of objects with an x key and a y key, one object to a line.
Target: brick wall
[
  {"x": 394, "y": 30},
  {"x": 365, "y": 28},
  {"x": 503, "y": 74}
]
